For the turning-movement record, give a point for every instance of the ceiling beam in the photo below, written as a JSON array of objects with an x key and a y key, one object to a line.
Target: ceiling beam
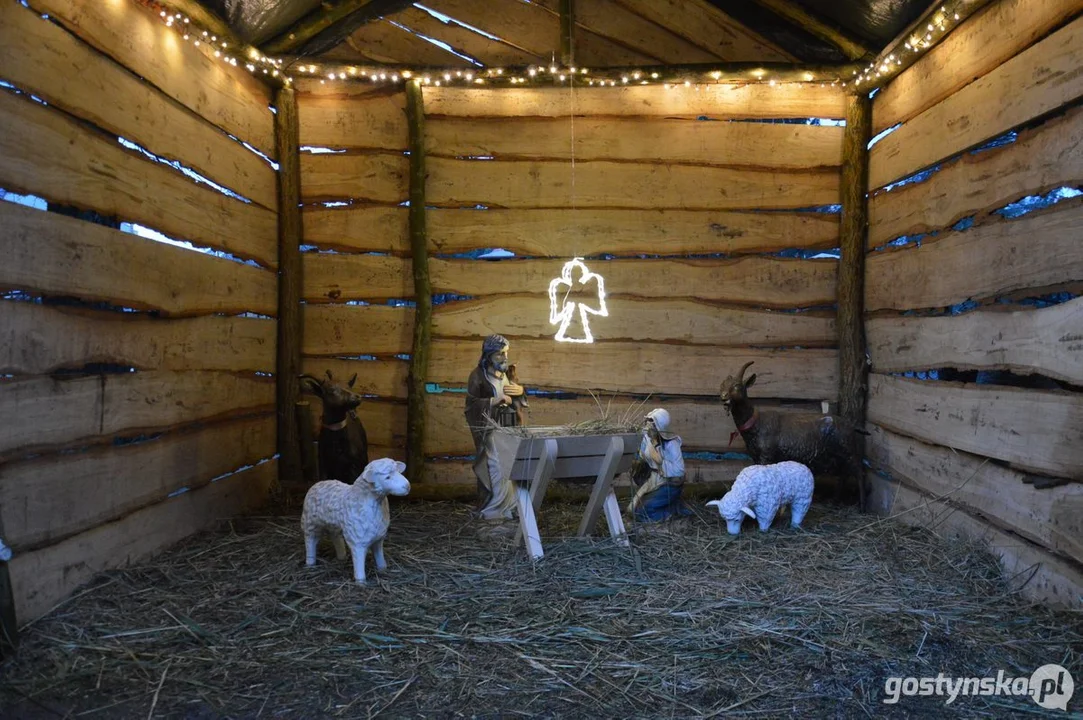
[
  {"x": 343, "y": 18},
  {"x": 204, "y": 18},
  {"x": 810, "y": 23}
]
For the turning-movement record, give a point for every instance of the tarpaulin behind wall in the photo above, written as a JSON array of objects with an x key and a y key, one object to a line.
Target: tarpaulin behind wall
[{"x": 257, "y": 21}]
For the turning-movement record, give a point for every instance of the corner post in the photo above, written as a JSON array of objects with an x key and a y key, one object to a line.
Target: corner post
[
  {"x": 287, "y": 144},
  {"x": 567, "y": 32},
  {"x": 419, "y": 248},
  {"x": 851, "y": 279}
]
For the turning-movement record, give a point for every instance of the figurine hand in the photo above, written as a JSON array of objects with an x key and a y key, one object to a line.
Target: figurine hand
[
  {"x": 513, "y": 390},
  {"x": 505, "y": 400}
]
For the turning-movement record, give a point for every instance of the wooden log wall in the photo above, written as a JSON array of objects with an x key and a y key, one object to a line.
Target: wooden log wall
[
  {"x": 990, "y": 448},
  {"x": 135, "y": 377},
  {"x": 690, "y": 195}
]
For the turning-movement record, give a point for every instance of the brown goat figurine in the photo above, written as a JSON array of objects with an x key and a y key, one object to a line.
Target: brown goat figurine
[
  {"x": 823, "y": 443},
  {"x": 343, "y": 444}
]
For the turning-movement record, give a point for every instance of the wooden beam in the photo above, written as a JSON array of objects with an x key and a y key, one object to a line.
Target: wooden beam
[
  {"x": 797, "y": 15},
  {"x": 287, "y": 142},
  {"x": 567, "y": 32},
  {"x": 853, "y": 229},
  {"x": 419, "y": 356},
  {"x": 205, "y": 19},
  {"x": 298, "y": 37}
]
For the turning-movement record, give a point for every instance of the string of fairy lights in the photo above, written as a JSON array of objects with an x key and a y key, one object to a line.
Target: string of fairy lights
[{"x": 287, "y": 70}]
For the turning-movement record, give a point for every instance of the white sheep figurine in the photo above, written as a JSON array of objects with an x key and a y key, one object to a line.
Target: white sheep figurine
[
  {"x": 761, "y": 490},
  {"x": 356, "y": 515}
]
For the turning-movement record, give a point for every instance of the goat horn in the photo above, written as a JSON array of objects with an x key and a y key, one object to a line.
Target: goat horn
[{"x": 741, "y": 373}]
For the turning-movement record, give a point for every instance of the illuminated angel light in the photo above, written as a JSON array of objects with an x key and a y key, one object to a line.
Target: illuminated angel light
[{"x": 563, "y": 311}]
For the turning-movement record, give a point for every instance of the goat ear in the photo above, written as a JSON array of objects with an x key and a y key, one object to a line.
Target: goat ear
[
  {"x": 751, "y": 380},
  {"x": 352, "y": 380},
  {"x": 310, "y": 384},
  {"x": 749, "y": 511},
  {"x": 400, "y": 467}
]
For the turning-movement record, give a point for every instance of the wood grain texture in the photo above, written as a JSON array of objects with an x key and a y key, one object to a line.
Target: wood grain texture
[
  {"x": 385, "y": 378},
  {"x": 657, "y": 320},
  {"x": 45, "y": 500},
  {"x": 44, "y": 577},
  {"x": 572, "y": 233},
  {"x": 229, "y": 97},
  {"x": 490, "y": 52},
  {"x": 1041, "y": 159},
  {"x": 37, "y": 339},
  {"x": 46, "y": 153},
  {"x": 374, "y": 177},
  {"x": 382, "y": 42},
  {"x": 984, "y": 41},
  {"x": 96, "y": 408},
  {"x": 1051, "y": 517},
  {"x": 1035, "y": 251},
  {"x": 349, "y": 330},
  {"x": 1044, "y": 578},
  {"x": 53, "y": 254},
  {"x": 371, "y": 122},
  {"x": 1048, "y": 341},
  {"x": 1039, "y": 431},
  {"x": 703, "y": 424},
  {"x": 586, "y": 231},
  {"x": 1037, "y": 81},
  {"x": 650, "y": 140},
  {"x": 357, "y": 227},
  {"x": 337, "y": 278},
  {"x": 542, "y": 184},
  {"x": 648, "y": 368},
  {"x": 523, "y": 25},
  {"x": 40, "y": 57},
  {"x": 720, "y": 102},
  {"x": 708, "y": 27}
]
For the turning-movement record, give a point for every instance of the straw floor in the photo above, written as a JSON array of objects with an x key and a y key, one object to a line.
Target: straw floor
[{"x": 686, "y": 623}]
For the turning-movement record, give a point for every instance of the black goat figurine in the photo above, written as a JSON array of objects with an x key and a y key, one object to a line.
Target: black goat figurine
[
  {"x": 343, "y": 444},
  {"x": 822, "y": 443}
]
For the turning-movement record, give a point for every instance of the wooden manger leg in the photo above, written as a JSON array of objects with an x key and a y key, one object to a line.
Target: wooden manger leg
[
  {"x": 543, "y": 473},
  {"x": 602, "y": 496},
  {"x": 528, "y": 525}
]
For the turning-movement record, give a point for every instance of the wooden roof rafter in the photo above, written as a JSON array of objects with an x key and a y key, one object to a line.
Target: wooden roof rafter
[
  {"x": 307, "y": 36},
  {"x": 816, "y": 26}
]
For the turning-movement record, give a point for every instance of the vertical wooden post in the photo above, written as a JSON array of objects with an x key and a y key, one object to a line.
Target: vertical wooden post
[
  {"x": 567, "y": 32},
  {"x": 419, "y": 248},
  {"x": 851, "y": 280},
  {"x": 287, "y": 144},
  {"x": 9, "y": 627}
]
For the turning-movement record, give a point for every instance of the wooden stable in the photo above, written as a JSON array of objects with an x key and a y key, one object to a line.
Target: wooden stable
[{"x": 147, "y": 388}]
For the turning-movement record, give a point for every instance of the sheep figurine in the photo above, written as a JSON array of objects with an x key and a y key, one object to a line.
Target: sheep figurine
[
  {"x": 761, "y": 490},
  {"x": 356, "y": 515}
]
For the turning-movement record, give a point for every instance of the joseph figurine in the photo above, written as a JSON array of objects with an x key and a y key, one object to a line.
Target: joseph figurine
[{"x": 489, "y": 394}]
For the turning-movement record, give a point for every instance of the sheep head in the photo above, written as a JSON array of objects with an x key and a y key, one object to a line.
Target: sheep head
[
  {"x": 384, "y": 477},
  {"x": 733, "y": 512},
  {"x": 735, "y": 387},
  {"x": 337, "y": 400}
]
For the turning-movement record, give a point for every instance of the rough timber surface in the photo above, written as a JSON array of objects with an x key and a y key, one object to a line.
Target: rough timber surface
[
  {"x": 1042, "y": 577},
  {"x": 1048, "y": 341},
  {"x": 719, "y": 102},
  {"x": 45, "y": 577},
  {"x": 374, "y": 122},
  {"x": 1035, "y": 251},
  {"x": 1039, "y": 80},
  {"x": 44, "y": 152},
  {"x": 1042, "y": 158},
  {"x": 458, "y": 607},
  {"x": 96, "y": 408},
  {"x": 37, "y": 339},
  {"x": 378, "y": 177},
  {"x": 996, "y": 34},
  {"x": 1036, "y": 430},
  {"x": 1051, "y": 517},
  {"x": 39, "y": 57},
  {"x": 384, "y": 378},
  {"x": 350, "y": 330},
  {"x": 47, "y": 499},
  {"x": 229, "y": 97},
  {"x": 53, "y": 254}
]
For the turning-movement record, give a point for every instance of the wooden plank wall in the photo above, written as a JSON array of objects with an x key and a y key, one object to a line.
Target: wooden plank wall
[
  {"x": 135, "y": 376},
  {"x": 690, "y": 194},
  {"x": 992, "y": 448}
]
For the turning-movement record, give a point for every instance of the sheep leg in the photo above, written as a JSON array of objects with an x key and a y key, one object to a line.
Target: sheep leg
[
  {"x": 798, "y": 510},
  {"x": 359, "y": 552},
  {"x": 311, "y": 539},
  {"x": 378, "y": 554},
  {"x": 766, "y": 517},
  {"x": 340, "y": 546}
]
